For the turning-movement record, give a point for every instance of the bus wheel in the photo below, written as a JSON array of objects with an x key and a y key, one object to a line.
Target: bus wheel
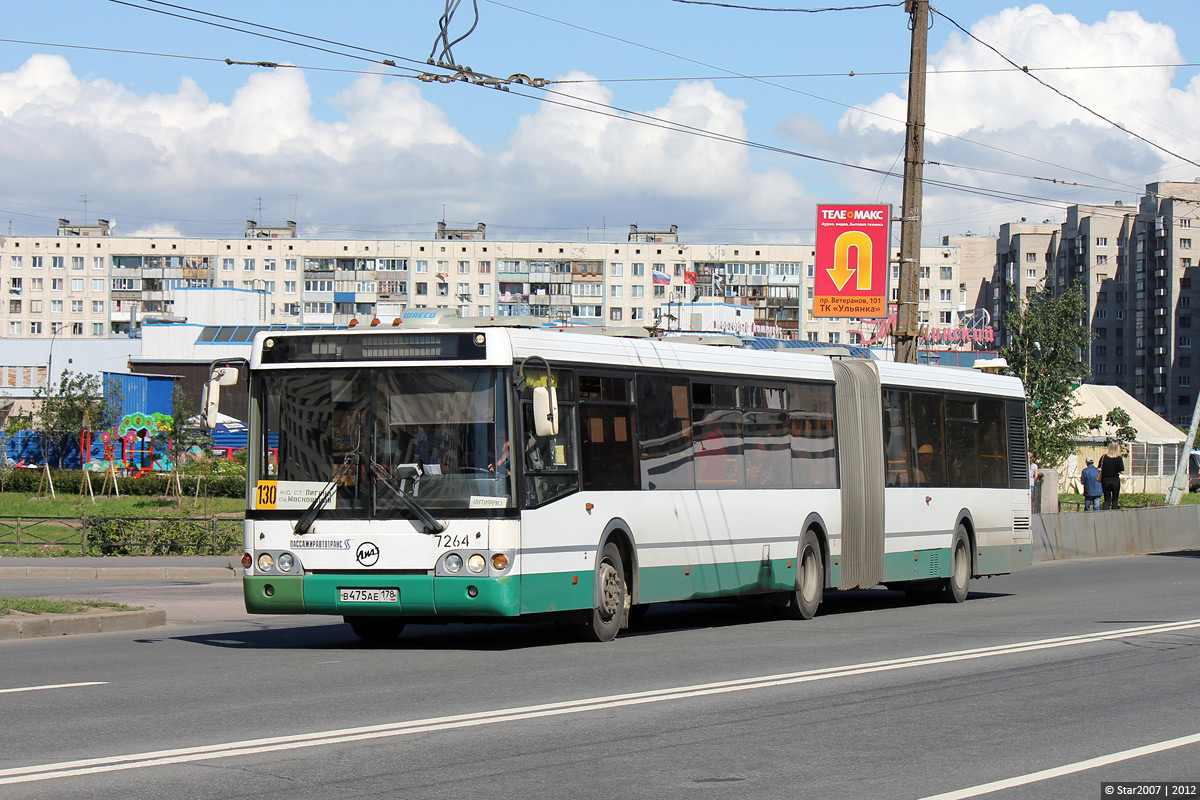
[
  {"x": 608, "y": 617},
  {"x": 956, "y": 586},
  {"x": 802, "y": 602},
  {"x": 376, "y": 630}
]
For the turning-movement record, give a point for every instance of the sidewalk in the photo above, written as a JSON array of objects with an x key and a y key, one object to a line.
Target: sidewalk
[
  {"x": 119, "y": 567},
  {"x": 200, "y": 568}
]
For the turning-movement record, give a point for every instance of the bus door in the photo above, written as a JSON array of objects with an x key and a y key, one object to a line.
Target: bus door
[{"x": 860, "y": 464}]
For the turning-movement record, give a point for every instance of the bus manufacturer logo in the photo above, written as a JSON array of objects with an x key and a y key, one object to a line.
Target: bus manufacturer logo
[{"x": 367, "y": 554}]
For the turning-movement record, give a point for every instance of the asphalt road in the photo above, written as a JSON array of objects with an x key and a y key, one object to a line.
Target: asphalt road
[{"x": 1048, "y": 679}]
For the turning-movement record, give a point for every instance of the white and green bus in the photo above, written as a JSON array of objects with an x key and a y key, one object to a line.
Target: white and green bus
[{"x": 446, "y": 473}]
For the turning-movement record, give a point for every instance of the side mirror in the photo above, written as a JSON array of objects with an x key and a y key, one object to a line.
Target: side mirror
[
  {"x": 221, "y": 376},
  {"x": 545, "y": 411}
]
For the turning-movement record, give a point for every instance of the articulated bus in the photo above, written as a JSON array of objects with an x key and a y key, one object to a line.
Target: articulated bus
[{"x": 420, "y": 475}]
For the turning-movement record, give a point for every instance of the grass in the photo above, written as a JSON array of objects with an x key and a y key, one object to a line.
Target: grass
[
  {"x": 39, "y": 607},
  {"x": 61, "y": 537},
  {"x": 28, "y": 504}
]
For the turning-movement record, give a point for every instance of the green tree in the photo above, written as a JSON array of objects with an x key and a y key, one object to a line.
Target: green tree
[
  {"x": 186, "y": 432},
  {"x": 62, "y": 412},
  {"x": 1124, "y": 432},
  {"x": 1047, "y": 335}
]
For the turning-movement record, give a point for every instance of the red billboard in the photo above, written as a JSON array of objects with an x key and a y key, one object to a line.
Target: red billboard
[{"x": 851, "y": 276}]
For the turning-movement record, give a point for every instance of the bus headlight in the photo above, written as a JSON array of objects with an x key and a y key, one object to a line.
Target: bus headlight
[
  {"x": 453, "y": 563},
  {"x": 265, "y": 561},
  {"x": 286, "y": 562},
  {"x": 499, "y": 562},
  {"x": 476, "y": 563}
]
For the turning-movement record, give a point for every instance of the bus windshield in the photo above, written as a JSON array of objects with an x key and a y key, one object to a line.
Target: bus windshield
[{"x": 437, "y": 435}]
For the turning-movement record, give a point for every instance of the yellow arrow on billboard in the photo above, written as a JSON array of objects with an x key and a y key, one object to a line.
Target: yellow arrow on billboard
[{"x": 841, "y": 270}]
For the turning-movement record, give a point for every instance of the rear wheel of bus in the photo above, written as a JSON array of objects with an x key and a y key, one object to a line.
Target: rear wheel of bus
[
  {"x": 612, "y": 604},
  {"x": 957, "y": 585},
  {"x": 805, "y": 599},
  {"x": 376, "y": 630}
]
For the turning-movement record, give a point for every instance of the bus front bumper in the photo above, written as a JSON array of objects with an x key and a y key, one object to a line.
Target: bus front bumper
[{"x": 418, "y": 595}]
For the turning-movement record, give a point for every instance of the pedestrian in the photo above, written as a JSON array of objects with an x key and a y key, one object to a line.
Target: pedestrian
[
  {"x": 1092, "y": 491},
  {"x": 1111, "y": 467},
  {"x": 1034, "y": 474}
]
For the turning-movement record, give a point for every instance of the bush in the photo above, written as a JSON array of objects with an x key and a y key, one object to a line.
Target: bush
[
  {"x": 68, "y": 481},
  {"x": 162, "y": 536}
]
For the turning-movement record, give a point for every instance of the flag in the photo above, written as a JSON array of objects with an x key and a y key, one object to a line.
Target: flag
[
  {"x": 718, "y": 284},
  {"x": 661, "y": 277},
  {"x": 689, "y": 277}
]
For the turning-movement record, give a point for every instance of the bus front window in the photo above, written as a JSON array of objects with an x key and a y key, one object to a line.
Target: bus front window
[{"x": 440, "y": 434}]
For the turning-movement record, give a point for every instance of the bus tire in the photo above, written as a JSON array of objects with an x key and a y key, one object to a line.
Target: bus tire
[
  {"x": 803, "y": 601},
  {"x": 958, "y": 584},
  {"x": 612, "y": 607},
  {"x": 376, "y": 630}
]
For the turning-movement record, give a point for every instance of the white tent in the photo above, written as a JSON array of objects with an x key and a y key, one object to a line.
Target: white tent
[{"x": 1150, "y": 462}]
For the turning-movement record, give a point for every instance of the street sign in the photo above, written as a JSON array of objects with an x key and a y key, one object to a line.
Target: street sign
[{"x": 851, "y": 276}]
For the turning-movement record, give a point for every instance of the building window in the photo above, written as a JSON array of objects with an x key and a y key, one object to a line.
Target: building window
[
  {"x": 615, "y": 291},
  {"x": 1101, "y": 260},
  {"x": 1031, "y": 258},
  {"x": 639, "y": 270},
  {"x": 485, "y": 290},
  {"x": 946, "y": 273},
  {"x": 944, "y": 295},
  {"x": 1185, "y": 341},
  {"x": 615, "y": 269},
  {"x": 1101, "y": 241},
  {"x": 637, "y": 292},
  {"x": 268, "y": 265},
  {"x": 226, "y": 265},
  {"x": 945, "y": 317},
  {"x": 422, "y": 288},
  {"x": 1185, "y": 244},
  {"x": 614, "y": 314},
  {"x": 464, "y": 267},
  {"x": 77, "y": 262},
  {"x": 35, "y": 328},
  {"x": 289, "y": 264},
  {"x": 637, "y": 313}
]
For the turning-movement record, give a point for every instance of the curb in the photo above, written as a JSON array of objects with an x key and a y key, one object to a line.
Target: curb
[
  {"x": 34, "y": 627},
  {"x": 117, "y": 573}
]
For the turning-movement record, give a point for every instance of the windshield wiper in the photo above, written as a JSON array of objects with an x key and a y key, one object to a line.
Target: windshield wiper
[
  {"x": 381, "y": 475},
  {"x": 327, "y": 492}
]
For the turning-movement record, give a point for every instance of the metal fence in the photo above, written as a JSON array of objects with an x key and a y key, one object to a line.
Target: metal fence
[{"x": 114, "y": 536}]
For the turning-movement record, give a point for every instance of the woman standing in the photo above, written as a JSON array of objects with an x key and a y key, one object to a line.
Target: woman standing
[{"x": 1111, "y": 467}]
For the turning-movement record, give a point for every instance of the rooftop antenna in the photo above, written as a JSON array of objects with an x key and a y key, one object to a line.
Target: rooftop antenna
[
  {"x": 295, "y": 204},
  {"x": 84, "y": 208},
  {"x": 260, "y": 219}
]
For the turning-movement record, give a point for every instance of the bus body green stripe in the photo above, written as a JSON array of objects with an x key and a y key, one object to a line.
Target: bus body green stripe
[
  {"x": 420, "y": 595},
  {"x": 427, "y": 596}
]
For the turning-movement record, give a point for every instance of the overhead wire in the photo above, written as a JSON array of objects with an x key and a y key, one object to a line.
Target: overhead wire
[
  {"x": 1064, "y": 95},
  {"x": 614, "y": 111}
]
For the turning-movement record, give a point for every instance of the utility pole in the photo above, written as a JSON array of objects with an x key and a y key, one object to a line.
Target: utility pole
[{"x": 908, "y": 319}]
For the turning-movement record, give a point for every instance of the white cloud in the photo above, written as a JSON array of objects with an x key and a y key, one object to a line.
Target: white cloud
[
  {"x": 165, "y": 161},
  {"x": 1008, "y": 122}
]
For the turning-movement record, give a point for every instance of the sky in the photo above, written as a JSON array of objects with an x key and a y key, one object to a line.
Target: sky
[{"x": 732, "y": 123}]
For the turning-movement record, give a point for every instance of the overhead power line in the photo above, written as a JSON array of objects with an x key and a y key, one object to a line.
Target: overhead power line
[
  {"x": 612, "y": 111},
  {"x": 1062, "y": 94}
]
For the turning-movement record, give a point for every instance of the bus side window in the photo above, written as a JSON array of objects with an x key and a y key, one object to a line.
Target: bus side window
[
  {"x": 928, "y": 412},
  {"x": 993, "y": 458},
  {"x": 814, "y": 443},
  {"x": 665, "y": 432},
  {"x": 895, "y": 439},
  {"x": 607, "y": 447}
]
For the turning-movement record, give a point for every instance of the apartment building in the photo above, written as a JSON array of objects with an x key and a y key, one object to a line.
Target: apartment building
[{"x": 1137, "y": 267}]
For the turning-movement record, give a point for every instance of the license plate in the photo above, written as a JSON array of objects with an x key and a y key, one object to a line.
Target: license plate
[{"x": 369, "y": 595}]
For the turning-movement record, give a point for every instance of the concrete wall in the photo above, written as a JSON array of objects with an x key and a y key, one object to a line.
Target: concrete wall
[{"x": 1122, "y": 532}]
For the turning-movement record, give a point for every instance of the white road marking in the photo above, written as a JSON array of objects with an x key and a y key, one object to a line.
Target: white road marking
[
  {"x": 1066, "y": 769},
  {"x": 91, "y": 766},
  {"x": 51, "y": 686}
]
